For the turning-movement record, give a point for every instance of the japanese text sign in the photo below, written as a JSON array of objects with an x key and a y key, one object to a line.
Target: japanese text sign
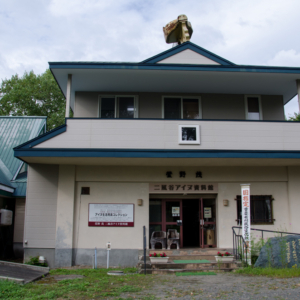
[
  {"x": 183, "y": 187},
  {"x": 246, "y": 228},
  {"x": 111, "y": 215}
]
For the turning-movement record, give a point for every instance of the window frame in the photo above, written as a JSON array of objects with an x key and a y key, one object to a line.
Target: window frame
[
  {"x": 116, "y": 97},
  {"x": 181, "y": 105},
  {"x": 259, "y": 106},
  {"x": 196, "y": 142},
  {"x": 239, "y": 204}
]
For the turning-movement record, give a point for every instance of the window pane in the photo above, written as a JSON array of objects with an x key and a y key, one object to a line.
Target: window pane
[
  {"x": 188, "y": 134},
  {"x": 190, "y": 109},
  {"x": 172, "y": 108},
  {"x": 107, "y": 108},
  {"x": 126, "y": 107},
  {"x": 173, "y": 211},
  {"x": 153, "y": 228},
  {"x": 155, "y": 211},
  {"x": 253, "y": 108}
]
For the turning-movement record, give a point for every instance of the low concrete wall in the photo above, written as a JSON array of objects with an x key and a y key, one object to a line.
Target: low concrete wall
[
  {"x": 49, "y": 254},
  {"x": 117, "y": 257}
]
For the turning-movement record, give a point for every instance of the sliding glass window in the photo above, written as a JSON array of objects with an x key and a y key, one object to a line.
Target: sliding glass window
[
  {"x": 107, "y": 110},
  {"x": 181, "y": 108},
  {"x": 124, "y": 107}
]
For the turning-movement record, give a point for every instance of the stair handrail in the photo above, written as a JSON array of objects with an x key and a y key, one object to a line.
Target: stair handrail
[{"x": 238, "y": 239}]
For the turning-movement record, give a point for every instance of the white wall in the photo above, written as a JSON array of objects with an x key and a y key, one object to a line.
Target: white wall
[
  {"x": 160, "y": 134},
  {"x": 120, "y": 237},
  {"x": 41, "y": 202}
]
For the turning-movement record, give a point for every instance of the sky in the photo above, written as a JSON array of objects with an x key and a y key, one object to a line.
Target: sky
[{"x": 34, "y": 32}]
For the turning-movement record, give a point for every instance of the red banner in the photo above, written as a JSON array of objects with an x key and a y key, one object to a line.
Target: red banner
[{"x": 112, "y": 224}]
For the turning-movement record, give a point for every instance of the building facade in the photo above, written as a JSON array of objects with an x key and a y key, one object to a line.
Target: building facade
[{"x": 168, "y": 139}]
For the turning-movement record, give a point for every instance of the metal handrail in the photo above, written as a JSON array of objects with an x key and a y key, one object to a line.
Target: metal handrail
[{"x": 238, "y": 239}]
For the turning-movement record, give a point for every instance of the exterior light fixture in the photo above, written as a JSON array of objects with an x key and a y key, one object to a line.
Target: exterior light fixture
[
  {"x": 226, "y": 202},
  {"x": 140, "y": 202}
]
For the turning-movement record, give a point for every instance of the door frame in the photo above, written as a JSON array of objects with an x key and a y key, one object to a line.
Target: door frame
[
  {"x": 165, "y": 223},
  {"x": 202, "y": 222}
]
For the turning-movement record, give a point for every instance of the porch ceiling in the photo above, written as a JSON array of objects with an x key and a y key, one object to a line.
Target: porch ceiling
[
  {"x": 225, "y": 80},
  {"x": 187, "y": 162}
]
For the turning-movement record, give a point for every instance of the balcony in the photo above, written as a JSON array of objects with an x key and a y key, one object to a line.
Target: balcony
[{"x": 163, "y": 135}]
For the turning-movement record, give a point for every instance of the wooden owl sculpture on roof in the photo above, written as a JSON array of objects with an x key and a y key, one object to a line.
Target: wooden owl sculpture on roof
[{"x": 178, "y": 31}]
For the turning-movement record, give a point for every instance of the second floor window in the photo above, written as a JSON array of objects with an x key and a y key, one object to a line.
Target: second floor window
[
  {"x": 181, "y": 108},
  {"x": 124, "y": 107},
  {"x": 253, "y": 108}
]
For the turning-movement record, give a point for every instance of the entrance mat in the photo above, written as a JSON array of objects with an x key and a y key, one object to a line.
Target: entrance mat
[
  {"x": 196, "y": 261},
  {"x": 195, "y": 273}
]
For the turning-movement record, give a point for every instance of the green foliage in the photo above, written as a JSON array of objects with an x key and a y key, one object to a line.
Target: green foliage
[
  {"x": 270, "y": 272},
  {"x": 35, "y": 262},
  {"x": 33, "y": 95},
  {"x": 96, "y": 284},
  {"x": 295, "y": 118}
]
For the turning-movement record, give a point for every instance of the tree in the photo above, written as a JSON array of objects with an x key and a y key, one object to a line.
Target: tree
[
  {"x": 295, "y": 118},
  {"x": 33, "y": 95}
]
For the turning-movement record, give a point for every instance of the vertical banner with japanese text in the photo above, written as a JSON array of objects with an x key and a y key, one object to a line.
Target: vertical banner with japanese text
[{"x": 245, "y": 192}]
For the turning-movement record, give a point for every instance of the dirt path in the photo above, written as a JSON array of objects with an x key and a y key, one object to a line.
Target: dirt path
[{"x": 220, "y": 286}]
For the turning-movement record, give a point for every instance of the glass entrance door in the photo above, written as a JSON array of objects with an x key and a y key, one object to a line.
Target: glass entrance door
[
  {"x": 164, "y": 215},
  {"x": 207, "y": 208},
  {"x": 172, "y": 214}
]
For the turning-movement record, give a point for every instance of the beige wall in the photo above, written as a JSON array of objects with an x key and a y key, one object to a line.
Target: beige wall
[
  {"x": 218, "y": 106},
  {"x": 120, "y": 237},
  {"x": 47, "y": 218},
  {"x": 41, "y": 203},
  {"x": 150, "y": 105},
  {"x": 19, "y": 220},
  {"x": 272, "y": 107},
  {"x": 214, "y": 106},
  {"x": 188, "y": 57},
  {"x": 161, "y": 134},
  {"x": 126, "y": 184},
  {"x": 65, "y": 207}
]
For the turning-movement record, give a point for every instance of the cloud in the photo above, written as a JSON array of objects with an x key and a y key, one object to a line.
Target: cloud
[
  {"x": 288, "y": 58},
  {"x": 34, "y": 32}
]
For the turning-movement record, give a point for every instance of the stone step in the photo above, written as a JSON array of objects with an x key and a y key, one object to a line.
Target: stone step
[
  {"x": 191, "y": 251},
  {"x": 185, "y": 257},
  {"x": 173, "y": 271},
  {"x": 191, "y": 266}
]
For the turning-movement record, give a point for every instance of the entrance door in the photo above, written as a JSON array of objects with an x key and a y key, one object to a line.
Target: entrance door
[
  {"x": 207, "y": 208},
  {"x": 164, "y": 215}
]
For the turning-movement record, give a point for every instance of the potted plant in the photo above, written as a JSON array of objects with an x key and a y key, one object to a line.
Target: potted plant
[
  {"x": 158, "y": 258},
  {"x": 224, "y": 257}
]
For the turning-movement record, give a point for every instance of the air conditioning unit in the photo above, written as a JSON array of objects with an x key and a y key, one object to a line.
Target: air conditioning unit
[{"x": 6, "y": 217}]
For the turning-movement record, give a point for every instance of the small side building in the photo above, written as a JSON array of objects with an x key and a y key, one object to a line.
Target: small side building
[{"x": 13, "y": 179}]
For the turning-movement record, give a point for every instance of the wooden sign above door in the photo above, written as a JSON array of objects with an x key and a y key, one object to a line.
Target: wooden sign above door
[{"x": 183, "y": 188}]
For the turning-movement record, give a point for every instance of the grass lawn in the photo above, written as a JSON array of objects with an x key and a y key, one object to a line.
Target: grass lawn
[
  {"x": 95, "y": 285},
  {"x": 270, "y": 272}
]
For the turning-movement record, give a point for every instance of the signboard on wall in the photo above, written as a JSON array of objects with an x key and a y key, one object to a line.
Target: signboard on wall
[
  {"x": 183, "y": 188},
  {"x": 245, "y": 190},
  {"x": 111, "y": 215}
]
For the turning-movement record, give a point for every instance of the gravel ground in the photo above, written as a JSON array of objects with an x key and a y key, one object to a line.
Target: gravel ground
[{"x": 220, "y": 286}]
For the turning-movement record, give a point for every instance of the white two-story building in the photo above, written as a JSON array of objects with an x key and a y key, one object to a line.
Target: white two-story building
[{"x": 166, "y": 139}]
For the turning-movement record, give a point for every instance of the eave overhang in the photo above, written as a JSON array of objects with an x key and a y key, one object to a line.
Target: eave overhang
[{"x": 176, "y": 78}]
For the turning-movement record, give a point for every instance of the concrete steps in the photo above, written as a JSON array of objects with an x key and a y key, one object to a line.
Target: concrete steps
[{"x": 187, "y": 254}]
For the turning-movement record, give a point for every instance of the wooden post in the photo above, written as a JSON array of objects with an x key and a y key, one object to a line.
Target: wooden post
[
  {"x": 298, "y": 90},
  {"x": 68, "y": 99}
]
